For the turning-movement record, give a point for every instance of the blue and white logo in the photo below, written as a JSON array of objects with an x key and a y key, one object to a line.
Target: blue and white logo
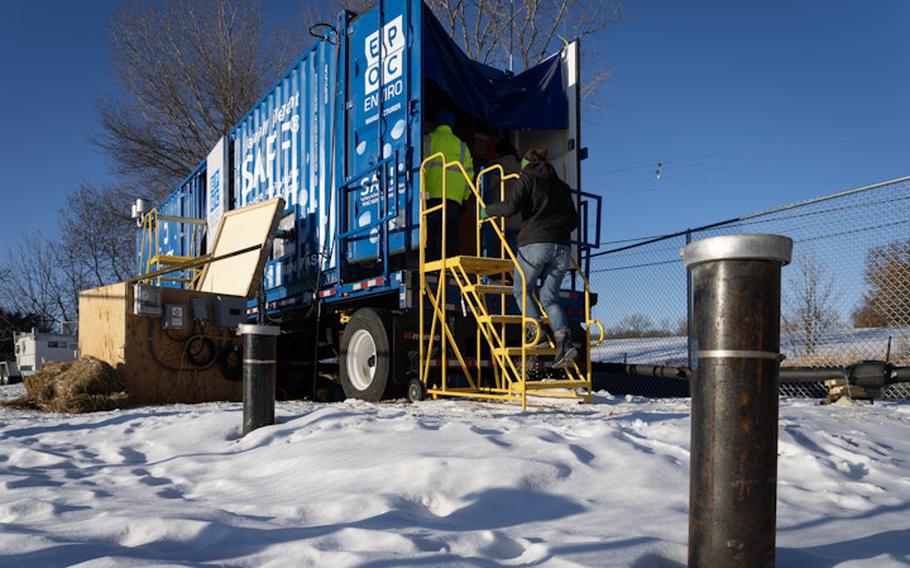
[{"x": 215, "y": 191}]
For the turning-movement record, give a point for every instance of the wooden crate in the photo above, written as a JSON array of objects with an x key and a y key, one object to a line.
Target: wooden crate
[{"x": 153, "y": 361}]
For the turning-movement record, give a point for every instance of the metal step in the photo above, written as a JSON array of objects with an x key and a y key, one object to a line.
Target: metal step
[
  {"x": 509, "y": 319},
  {"x": 536, "y": 351},
  {"x": 556, "y": 384},
  {"x": 472, "y": 265},
  {"x": 491, "y": 289}
]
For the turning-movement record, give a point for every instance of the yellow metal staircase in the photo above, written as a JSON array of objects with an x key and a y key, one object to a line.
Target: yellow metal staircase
[{"x": 500, "y": 336}]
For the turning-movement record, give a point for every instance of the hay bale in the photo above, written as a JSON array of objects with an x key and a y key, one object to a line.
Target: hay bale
[{"x": 86, "y": 385}]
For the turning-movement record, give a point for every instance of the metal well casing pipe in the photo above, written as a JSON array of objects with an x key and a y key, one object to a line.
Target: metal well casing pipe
[
  {"x": 260, "y": 350},
  {"x": 733, "y": 473}
]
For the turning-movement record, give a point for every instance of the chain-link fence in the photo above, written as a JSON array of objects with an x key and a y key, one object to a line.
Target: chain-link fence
[{"x": 845, "y": 296}]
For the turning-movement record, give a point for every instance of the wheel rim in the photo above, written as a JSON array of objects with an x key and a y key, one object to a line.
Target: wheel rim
[{"x": 361, "y": 359}]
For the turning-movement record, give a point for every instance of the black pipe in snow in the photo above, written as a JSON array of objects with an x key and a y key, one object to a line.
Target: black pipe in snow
[
  {"x": 736, "y": 288},
  {"x": 260, "y": 359}
]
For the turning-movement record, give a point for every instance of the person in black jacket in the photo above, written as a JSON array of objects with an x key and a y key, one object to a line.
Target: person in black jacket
[{"x": 548, "y": 217}]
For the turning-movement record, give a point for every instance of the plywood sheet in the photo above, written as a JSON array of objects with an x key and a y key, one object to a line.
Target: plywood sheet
[
  {"x": 239, "y": 229},
  {"x": 153, "y": 362},
  {"x": 102, "y": 322}
]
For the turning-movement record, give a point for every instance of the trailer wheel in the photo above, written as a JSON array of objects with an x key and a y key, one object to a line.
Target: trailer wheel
[
  {"x": 365, "y": 361},
  {"x": 416, "y": 392}
]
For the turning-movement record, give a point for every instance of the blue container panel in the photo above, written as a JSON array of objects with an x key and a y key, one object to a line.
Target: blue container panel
[
  {"x": 283, "y": 148},
  {"x": 384, "y": 135}
]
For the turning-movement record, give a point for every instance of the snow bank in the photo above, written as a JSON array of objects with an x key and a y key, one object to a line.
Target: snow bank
[{"x": 437, "y": 483}]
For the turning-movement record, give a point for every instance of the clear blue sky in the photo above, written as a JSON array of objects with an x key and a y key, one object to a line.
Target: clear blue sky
[{"x": 748, "y": 105}]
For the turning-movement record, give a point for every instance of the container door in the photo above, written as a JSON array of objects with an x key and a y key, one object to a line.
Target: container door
[
  {"x": 377, "y": 106},
  {"x": 563, "y": 145}
]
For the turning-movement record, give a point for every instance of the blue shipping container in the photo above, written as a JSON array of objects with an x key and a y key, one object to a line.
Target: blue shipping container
[{"x": 339, "y": 138}]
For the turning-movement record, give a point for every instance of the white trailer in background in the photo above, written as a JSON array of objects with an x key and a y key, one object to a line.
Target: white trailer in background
[
  {"x": 35, "y": 348},
  {"x": 9, "y": 372}
]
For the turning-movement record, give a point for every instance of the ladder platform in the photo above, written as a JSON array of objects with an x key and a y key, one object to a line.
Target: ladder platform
[
  {"x": 502, "y": 289},
  {"x": 472, "y": 265},
  {"x": 508, "y": 319},
  {"x": 511, "y": 319},
  {"x": 535, "y": 351},
  {"x": 556, "y": 384},
  {"x": 169, "y": 259}
]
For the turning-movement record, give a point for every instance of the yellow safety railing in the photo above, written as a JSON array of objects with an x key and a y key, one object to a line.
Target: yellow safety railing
[
  {"x": 151, "y": 257},
  {"x": 509, "y": 378}
]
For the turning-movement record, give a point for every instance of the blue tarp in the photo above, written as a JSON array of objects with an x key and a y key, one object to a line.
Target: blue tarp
[{"x": 533, "y": 100}]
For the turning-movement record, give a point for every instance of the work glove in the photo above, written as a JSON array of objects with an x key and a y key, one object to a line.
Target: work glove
[{"x": 483, "y": 214}]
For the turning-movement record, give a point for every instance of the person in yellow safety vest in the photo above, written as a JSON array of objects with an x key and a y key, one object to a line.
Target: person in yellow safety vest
[{"x": 441, "y": 139}]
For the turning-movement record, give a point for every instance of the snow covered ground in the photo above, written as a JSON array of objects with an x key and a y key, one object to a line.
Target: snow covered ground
[{"x": 437, "y": 483}]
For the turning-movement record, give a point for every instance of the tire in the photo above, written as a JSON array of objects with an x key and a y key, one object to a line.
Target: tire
[
  {"x": 365, "y": 362},
  {"x": 416, "y": 392}
]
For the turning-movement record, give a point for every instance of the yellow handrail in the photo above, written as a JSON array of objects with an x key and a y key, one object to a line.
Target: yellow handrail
[
  {"x": 150, "y": 244},
  {"x": 588, "y": 320}
]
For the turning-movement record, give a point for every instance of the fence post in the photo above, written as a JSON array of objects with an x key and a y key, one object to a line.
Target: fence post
[
  {"x": 690, "y": 324},
  {"x": 736, "y": 293},
  {"x": 260, "y": 350}
]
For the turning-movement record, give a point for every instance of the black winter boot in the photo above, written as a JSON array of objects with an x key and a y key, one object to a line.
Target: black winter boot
[
  {"x": 531, "y": 335},
  {"x": 565, "y": 351}
]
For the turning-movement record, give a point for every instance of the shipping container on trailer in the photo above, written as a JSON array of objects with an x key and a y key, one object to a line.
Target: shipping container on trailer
[{"x": 339, "y": 138}]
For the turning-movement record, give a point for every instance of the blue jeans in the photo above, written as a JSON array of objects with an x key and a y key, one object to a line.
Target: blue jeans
[{"x": 547, "y": 262}]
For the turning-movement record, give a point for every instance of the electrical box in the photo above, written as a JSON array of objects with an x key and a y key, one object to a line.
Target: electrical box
[
  {"x": 228, "y": 311},
  {"x": 200, "y": 309},
  {"x": 146, "y": 300},
  {"x": 175, "y": 316}
]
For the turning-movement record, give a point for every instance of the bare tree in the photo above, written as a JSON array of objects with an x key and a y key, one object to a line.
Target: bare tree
[
  {"x": 887, "y": 302},
  {"x": 868, "y": 314},
  {"x": 524, "y": 32},
  {"x": 189, "y": 70},
  {"x": 810, "y": 306},
  {"x": 682, "y": 326},
  {"x": 41, "y": 278},
  {"x": 639, "y": 325},
  {"x": 43, "y": 275},
  {"x": 98, "y": 233}
]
